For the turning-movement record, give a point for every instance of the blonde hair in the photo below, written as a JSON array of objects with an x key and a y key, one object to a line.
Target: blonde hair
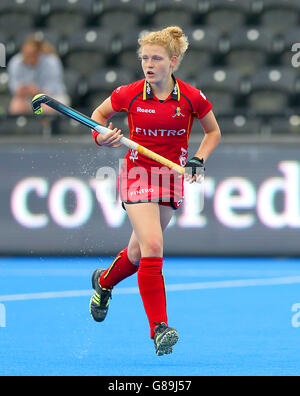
[{"x": 171, "y": 38}]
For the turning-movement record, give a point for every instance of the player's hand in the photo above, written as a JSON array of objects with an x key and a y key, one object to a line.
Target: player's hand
[
  {"x": 111, "y": 139},
  {"x": 194, "y": 170}
]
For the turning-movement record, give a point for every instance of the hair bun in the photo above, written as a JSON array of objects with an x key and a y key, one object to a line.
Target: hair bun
[{"x": 175, "y": 31}]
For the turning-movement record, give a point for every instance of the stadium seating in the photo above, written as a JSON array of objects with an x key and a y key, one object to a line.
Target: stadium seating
[
  {"x": 288, "y": 126},
  {"x": 280, "y": 15},
  {"x": 73, "y": 82},
  {"x": 4, "y": 93},
  {"x": 222, "y": 87},
  {"x": 227, "y": 15},
  {"x": 67, "y": 126},
  {"x": 239, "y": 124},
  {"x": 125, "y": 50},
  {"x": 249, "y": 49},
  {"x": 67, "y": 16},
  {"x": 170, "y": 13},
  {"x": 22, "y": 125},
  {"x": 119, "y": 17},
  {"x": 86, "y": 50},
  {"x": 101, "y": 83},
  {"x": 204, "y": 47},
  {"x": 271, "y": 91},
  {"x": 5, "y": 99},
  {"x": 18, "y": 15}
]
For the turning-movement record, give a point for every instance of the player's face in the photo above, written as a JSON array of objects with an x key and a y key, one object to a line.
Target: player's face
[{"x": 156, "y": 63}]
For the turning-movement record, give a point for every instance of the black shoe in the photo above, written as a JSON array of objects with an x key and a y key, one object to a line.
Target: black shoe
[
  {"x": 99, "y": 303},
  {"x": 164, "y": 339}
]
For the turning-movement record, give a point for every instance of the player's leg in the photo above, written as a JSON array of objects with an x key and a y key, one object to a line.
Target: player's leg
[
  {"x": 133, "y": 249},
  {"x": 146, "y": 223},
  {"x": 147, "y": 220},
  {"x": 124, "y": 265},
  {"x": 103, "y": 280},
  {"x": 126, "y": 262}
]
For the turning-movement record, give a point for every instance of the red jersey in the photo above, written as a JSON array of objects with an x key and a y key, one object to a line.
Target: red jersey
[{"x": 163, "y": 127}]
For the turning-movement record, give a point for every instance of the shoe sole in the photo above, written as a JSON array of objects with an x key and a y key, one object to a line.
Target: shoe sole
[{"x": 167, "y": 342}]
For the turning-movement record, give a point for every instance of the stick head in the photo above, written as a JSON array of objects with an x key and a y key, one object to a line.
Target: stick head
[{"x": 36, "y": 103}]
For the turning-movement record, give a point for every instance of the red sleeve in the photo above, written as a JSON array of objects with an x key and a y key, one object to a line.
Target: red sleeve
[
  {"x": 203, "y": 106},
  {"x": 119, "y": 99},
  {"x": 95, "y": 134}
]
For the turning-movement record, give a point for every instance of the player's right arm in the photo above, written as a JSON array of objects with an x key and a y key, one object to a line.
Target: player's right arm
[{"x": 101, "y": 115}]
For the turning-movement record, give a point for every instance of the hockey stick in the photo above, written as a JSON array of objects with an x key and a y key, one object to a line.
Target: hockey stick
[{"x": 88, "y": 122}]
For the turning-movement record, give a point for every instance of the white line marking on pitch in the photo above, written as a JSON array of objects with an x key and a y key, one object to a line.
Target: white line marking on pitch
[{"x": 288, "y": 280}]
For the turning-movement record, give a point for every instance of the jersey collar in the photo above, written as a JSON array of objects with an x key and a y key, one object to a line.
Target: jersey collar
[{"x": 148, "y": 92}]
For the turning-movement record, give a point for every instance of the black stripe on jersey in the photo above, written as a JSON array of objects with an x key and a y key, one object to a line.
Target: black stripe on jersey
[
  {"x": 188, "y": 101},
  {"x": 134, "y": 99}
]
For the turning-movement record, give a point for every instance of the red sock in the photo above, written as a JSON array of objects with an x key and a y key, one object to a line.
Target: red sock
[
  {"x": 152, "y": 289},
  {"x": 120, "y": 269}
]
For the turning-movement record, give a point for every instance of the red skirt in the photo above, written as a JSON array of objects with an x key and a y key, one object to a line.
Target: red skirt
[{"x": 157, "y": 184}]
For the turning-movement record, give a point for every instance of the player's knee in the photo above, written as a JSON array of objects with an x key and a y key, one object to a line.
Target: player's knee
[{"x": 152, "y": 247}]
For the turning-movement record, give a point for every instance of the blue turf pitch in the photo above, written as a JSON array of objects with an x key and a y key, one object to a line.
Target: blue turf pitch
[{"x": 234, "y": 317}]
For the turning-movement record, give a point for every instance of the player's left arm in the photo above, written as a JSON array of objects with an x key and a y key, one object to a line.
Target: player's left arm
[
  {"x": 210, "y": 141},
  {"x": 211, "y": 138}
]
